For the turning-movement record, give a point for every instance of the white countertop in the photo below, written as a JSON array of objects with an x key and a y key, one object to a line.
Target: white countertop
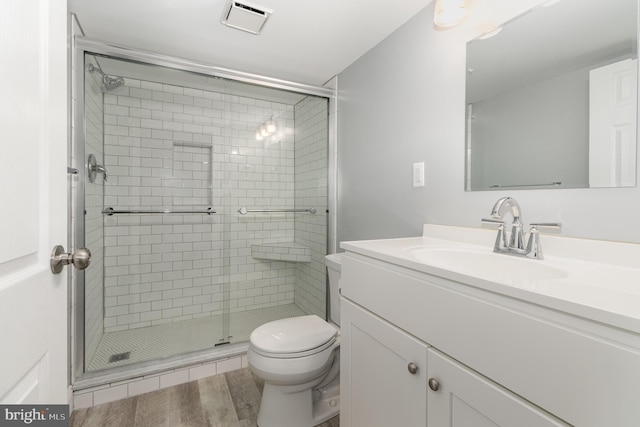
[{"x": 601, "y": 279}]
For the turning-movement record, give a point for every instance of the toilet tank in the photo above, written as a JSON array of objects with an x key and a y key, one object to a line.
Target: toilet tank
[{"x": 334, "y": 266}]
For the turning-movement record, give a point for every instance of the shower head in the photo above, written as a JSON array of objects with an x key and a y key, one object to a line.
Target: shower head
[
  {"x": 108, "y": 82},
  {"x": 112, "y": 82}
]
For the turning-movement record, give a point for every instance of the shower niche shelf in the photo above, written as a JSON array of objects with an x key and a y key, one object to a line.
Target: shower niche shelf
[{"x": 287, "y": 251}]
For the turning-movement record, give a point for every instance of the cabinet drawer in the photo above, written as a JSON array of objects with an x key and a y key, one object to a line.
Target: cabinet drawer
[{"x": 551, "y": 359}]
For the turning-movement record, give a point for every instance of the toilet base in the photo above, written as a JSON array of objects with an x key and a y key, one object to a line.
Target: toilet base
[
  {"x": 326, "y": 404},
  {"x": 281, "y": 409},
  {"x": 306, "y": 408}
]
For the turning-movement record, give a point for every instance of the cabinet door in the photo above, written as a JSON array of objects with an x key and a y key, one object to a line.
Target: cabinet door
[
  {"x": 466, "y": 399},
  {"x": 383, "y": 372}
]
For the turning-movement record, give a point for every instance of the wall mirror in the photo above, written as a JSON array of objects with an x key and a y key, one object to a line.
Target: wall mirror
[{"x": 552, "y": 99}]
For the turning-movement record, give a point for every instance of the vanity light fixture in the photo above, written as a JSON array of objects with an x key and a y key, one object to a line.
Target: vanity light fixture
[
  {"x": 267, "y": 129},
  {"x": 449, "y": 13}
]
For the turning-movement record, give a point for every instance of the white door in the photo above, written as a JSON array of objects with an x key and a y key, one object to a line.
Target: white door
[
  {"x": 612, "y": 124},
  {"x": 33, "y": 201}
]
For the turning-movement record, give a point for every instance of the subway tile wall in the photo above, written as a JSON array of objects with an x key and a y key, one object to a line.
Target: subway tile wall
[
  {"x": 173, "y": 147},
  {"x": 311, "y": 190}
]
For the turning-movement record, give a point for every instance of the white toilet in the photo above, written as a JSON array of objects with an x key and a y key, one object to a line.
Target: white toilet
[{"x": 299, "y": 360}]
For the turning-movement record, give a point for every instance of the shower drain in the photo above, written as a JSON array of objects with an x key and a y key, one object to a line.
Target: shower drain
[{"x": 120, "y": 356}]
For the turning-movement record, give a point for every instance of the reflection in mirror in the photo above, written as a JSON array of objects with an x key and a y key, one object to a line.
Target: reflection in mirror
[{"x": 552, "y": 98}]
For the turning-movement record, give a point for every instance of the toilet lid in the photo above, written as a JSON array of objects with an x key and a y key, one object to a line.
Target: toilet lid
[{"x": 292, "y": 335}]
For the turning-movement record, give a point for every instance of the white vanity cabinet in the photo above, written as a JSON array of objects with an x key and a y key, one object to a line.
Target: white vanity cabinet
[
  {"x": 498, "y": 360},
  {"x": 391, "y": 378},
  {"x": 383, "y": 372}
]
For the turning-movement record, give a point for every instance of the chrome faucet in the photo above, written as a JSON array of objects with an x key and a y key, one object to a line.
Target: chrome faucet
[
  {"x": 516, "y": 241},
  {"x": 513, "y": 243}
]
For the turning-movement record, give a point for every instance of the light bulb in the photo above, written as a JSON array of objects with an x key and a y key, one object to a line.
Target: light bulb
[
  {"x": 263, "y": 131},
  {"x": 271, "y": 126},
  {"x": 449, "y": 13}
]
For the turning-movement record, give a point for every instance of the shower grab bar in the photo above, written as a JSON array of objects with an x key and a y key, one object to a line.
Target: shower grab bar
[
  {"x": 243, "y": 210},
  {"x": 111, "y": 211}
]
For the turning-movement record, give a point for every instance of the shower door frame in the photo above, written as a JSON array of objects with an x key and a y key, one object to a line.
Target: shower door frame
[{"x": 83, "y": 45}]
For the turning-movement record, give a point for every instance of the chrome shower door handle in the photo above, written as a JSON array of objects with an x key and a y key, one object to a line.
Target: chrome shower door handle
[{"x": 80, "y": 259}]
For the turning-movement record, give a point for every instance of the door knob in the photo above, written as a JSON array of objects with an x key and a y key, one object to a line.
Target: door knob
[
  {"x": 434, "y": 384},
  {"x": 80, "y": 259},
  {"x": 413, "y": 368}
]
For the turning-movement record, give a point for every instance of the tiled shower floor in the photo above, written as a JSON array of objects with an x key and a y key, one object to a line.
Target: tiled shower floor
[{"x": 166, "y": 340}]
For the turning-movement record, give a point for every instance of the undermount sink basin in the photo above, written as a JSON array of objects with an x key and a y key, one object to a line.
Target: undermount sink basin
[{"x": 488, "y": 265}]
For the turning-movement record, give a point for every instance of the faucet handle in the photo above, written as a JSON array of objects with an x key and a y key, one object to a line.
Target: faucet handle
[
  {"x": 93, "y": 168},
  {"x": 501, "y": 238},
  {"x": 491, "y": 223},
  {"x": 534, "y": 249},
  {"x": 547, "y": 226}
]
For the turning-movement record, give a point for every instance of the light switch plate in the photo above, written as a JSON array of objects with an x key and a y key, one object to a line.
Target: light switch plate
[{"x": 418, "y": 174}]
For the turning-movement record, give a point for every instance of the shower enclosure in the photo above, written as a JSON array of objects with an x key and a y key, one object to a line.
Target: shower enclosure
[{"x": 204, "y": 201}]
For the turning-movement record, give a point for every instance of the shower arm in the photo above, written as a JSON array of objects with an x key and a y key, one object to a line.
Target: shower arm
[
  {"x": 91, "y": 68},
  {"x": 108, "y": 82}
]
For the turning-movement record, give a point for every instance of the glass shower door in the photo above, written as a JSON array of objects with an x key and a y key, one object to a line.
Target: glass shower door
[
  {"x": 168, "y": 147},
  {"x": 154, "y": 216},
  {"x": 277, "y": 181}
]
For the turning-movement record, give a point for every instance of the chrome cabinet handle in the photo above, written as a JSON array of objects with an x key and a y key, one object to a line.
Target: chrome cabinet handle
[
  {"x": 80, "y": 259},
  {"x": 413, "y": 368}
]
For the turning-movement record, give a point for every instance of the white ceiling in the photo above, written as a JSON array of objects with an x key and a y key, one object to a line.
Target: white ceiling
[{"x": 305, "y": 41}]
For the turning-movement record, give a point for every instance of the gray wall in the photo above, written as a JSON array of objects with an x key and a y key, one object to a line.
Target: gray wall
[{"x": 403, "y": 102}]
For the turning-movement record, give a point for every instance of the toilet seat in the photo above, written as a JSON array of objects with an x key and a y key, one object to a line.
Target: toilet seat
[{"x": 293, "y": 337}]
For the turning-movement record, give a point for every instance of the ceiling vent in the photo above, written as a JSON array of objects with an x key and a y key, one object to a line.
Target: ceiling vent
[{"x": 245, "y": 16}]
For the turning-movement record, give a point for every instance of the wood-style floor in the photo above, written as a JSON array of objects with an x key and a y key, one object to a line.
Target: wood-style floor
[{"x": 226, "y": 400}]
